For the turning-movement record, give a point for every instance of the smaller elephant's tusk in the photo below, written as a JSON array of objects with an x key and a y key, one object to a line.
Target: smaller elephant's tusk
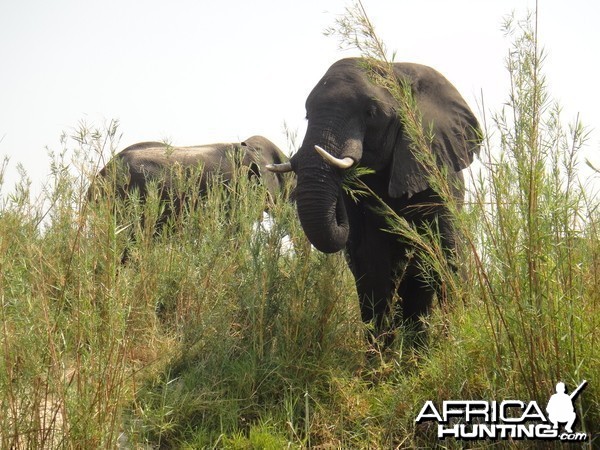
[
  {"x": 280, "y": 168},
  {"x": 345, "y": 163}
]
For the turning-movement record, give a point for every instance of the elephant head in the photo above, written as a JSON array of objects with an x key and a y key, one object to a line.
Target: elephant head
[{"x": 353, "y": 120}]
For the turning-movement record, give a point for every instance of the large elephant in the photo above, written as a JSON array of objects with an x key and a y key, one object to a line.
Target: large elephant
[
  {"x": 352, "y": 120},
  {"x": 155, "y": 161}
]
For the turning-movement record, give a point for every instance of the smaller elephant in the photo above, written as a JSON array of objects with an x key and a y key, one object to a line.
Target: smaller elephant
[{"x": 158, "y": 162}]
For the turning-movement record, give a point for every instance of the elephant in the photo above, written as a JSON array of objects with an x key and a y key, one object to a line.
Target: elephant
[
  {"x": 155, "y": 161},
  {"x": 352, "y": 120}
]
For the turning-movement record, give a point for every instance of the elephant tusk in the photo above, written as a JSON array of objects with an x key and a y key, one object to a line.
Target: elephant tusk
[
  {"x": 345, "y": 163},
  {"x": 280, "y": 168}
]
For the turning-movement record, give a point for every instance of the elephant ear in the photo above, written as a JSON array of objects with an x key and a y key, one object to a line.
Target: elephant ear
[
  {"x": 260, "y": 152},
  {"x": 251, "y": 159},
  {"x": 446, "y": 117}
]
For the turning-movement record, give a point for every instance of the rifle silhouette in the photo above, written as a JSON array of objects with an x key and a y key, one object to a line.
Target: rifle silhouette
[{"x": 576, "y": 392}]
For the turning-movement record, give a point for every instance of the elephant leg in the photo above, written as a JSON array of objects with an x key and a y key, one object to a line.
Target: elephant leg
[
  {"x": 374, "y": 296},
  {"x": 416, "y": 297},
  {"x": 418, "y": 289},
  {"x": 370, "y": 261},
  {"x": 447, "y": 240}
]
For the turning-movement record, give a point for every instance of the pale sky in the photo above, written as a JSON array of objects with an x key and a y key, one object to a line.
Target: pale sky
[{"x": 196, "y": 72}]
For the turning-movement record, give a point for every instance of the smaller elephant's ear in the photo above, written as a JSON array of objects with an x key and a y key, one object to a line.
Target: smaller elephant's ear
[
  {"x": 454, "y": 130},
  {"x": 253, "y": 170},
  {"x": 250, "y": 159},
  {"x": 253, "y": 160},
  {"x": 259, "y": 153}
]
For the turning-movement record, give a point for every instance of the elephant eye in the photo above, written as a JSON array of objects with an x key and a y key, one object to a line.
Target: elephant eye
[{"x": 372, "y": 111}]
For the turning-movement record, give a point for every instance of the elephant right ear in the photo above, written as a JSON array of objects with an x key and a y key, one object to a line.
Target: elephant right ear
[{"x": 456, "y": 137}]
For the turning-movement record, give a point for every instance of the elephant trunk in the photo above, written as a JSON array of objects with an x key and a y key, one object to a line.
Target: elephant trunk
[
  {"x": 331, "y": 144},
  {"x": 321, "y": 209}
]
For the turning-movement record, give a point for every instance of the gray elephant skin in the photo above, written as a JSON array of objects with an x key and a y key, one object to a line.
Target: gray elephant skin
[
  {"x": 156, "y": 161},
  {"x": 355, "y": 121}
]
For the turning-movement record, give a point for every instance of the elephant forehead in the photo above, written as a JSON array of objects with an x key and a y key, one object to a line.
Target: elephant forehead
[
  {"x": 336, "y": 86},
  {"x": 353, "y": 94}
]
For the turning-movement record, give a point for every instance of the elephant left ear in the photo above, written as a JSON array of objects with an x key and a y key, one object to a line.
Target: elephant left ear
[
  {"x": 251, "y": 159},
  {"x": 455, "y": 139}
]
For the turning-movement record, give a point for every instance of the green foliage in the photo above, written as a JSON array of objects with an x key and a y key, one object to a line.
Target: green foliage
[
  {"x": 213, "y": 324},
  {"x": 222, "y": 333}
]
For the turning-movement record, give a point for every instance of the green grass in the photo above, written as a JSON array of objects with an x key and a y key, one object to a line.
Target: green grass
[{"x": 215, "y": 335}]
